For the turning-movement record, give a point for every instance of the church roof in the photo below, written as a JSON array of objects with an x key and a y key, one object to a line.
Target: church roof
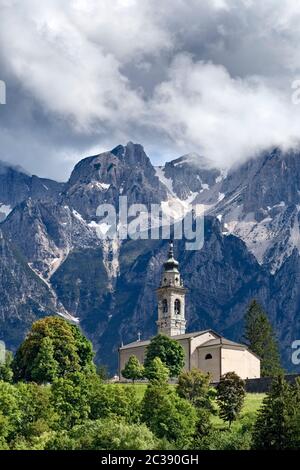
[
  {"x": 226, "y": 342},
  {"x": 135, "y": 344},
  {"x": 185, "y": 336},
  {"x": 221, "y": 340}
]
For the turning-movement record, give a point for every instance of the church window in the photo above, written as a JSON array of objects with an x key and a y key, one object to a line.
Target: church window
[
  {"x": 165, "y": 306},
  {"x": 177, "y": 307},
  {"x": 208, "y": 356}
]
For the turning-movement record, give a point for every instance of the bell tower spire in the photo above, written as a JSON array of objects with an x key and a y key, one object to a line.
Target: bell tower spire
[{"x": 171, "y": 298}]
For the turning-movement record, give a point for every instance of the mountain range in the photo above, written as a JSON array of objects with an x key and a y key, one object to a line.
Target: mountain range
[{"x": 53, "y": 262}]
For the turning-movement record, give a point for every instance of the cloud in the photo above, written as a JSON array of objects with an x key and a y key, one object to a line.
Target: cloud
[
  {"x": 228, "y": 119},
  {"x": 82, "y": 76}
]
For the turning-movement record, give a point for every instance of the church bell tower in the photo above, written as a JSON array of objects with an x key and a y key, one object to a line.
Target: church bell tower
[{"x": 171, "y": 299}]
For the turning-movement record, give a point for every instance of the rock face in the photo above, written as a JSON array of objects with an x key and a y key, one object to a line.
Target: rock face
[
  {"x": 17, "y": 186},
  {"x": 261, "y": 206},
  {"x": 103, "y": 178},
  {"x": 52, "y": 261},
  {"x": 46, "y": 232},
  {"x": 191, "y": 175},
  {"x": 25, "y": 297}
]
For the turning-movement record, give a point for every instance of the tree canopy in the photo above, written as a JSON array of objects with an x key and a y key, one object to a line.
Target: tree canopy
[
  {"x": 278, "y": 422},
  {"x": 230, "y": 396},
  {"x": 133, "y": 369},
  {"x": 169, "y": 351},
  {"x": 260, "y": 337},
  {"x": 195, "y": 386},
  {"x": 53, "y": 348},
  {"x": 157, "y": 372}
]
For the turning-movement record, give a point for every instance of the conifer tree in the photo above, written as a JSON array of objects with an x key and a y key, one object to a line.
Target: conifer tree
[
  {"x": 261, "y": 339},
  {"x": 275, "y": 425}
]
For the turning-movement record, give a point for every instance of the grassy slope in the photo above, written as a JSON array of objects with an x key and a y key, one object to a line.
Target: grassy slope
[{"x": 253, "y": 402}]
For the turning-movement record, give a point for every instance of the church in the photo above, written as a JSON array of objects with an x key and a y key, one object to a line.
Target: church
[{"x": 205, "y": 350}]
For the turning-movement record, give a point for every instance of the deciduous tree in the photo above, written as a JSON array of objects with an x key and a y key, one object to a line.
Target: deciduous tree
[
  {"x": 230, "y": 396},
  {"x": 133, "y": 369},
  {"x": 169, "y": 351},
  {"x": 55, "y": 342}
]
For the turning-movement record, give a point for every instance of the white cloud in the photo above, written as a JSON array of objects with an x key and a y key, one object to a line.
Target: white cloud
[
  {"x": 211, "y": 76},
  {"x": 68, "y": 73},
  {"x": 201, "y": 106}
]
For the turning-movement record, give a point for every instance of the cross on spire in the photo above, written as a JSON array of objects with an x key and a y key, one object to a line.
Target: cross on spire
[{"x": 171, "y": 249}]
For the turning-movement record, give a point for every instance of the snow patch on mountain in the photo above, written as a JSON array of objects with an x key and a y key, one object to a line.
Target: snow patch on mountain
[
  {"x": 98, "y": 186},
  {"x": 5, "y": 210},
  {"x": 78, "y": 216},
  {"x": 222, "y": 176},
  {"x": 160, "y": 173},
  {"x": 270, "y": 234}
]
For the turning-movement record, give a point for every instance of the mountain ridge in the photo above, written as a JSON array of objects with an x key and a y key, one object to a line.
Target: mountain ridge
[{"x": 108, "y": 285}]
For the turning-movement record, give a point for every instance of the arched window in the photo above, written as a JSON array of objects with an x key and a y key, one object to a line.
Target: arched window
[
  {"x": 165, "y": 306},
  {"x": 208, "y": 356},
  {"x": 177, "y": 307}
]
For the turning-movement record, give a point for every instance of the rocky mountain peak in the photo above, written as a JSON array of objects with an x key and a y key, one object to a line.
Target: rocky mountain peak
[
  {"x": 126, "y": 170},
  {"x": 132, "y": 154},
  {"x": 53, "y": 262},
  {"x": 190, "y": 175},
  {"x": 16, "y": 185}
]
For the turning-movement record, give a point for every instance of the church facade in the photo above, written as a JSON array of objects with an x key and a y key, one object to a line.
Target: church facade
[{"x": 205, "y": 350}]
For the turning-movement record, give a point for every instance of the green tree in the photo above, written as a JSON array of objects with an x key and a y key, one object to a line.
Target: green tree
[
  {"x": 37, "y": 412},
  {"x": 6, "y": 372},
  {"x": 226, "y": 439},
  {"x": 10, "y": 413},
  {"x": 230, "y": 396},
  {"x": 295, "y": 418},
  {"x": 195, "y": 386},
  {"x": 156, "y": 371},
  {"x": 44, "y": 367},
  {"x": 71, "y": 399},
  {"x": 108, "y": 400},
  {"x": 276, "y": 423},
  {"x": 169, "y": 351},
  {"x": 295, "y": 430},
  {"x": 106, "y": 434},
  {"x": 167, "y": 415},
  {"x": 66, "y": 349},
  {"x": 261, "y": 339},
  {"x": 133, "y": 369}
]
